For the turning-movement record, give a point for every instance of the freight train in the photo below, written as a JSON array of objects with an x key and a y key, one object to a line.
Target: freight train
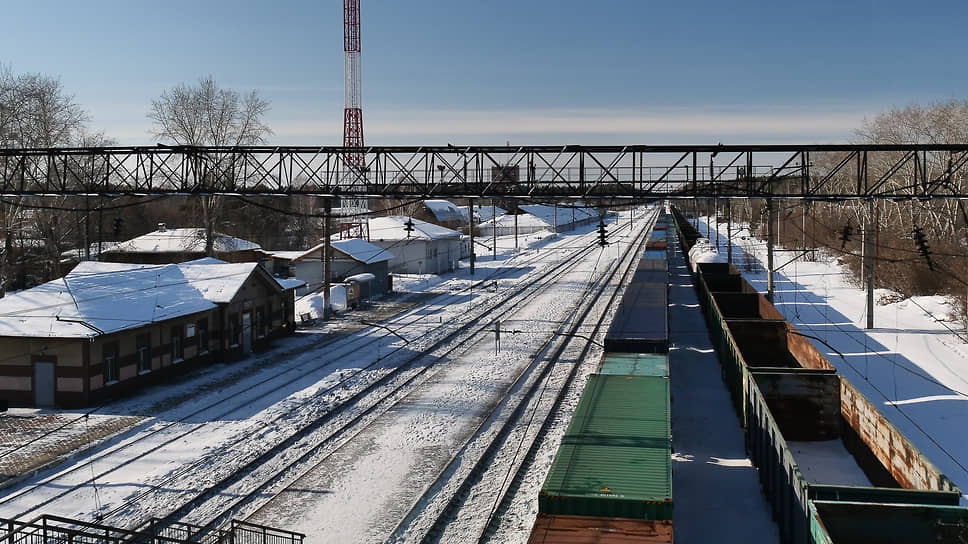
[
  {"x": 835, "y": 470},
  {"x": 611, "y": 480}
]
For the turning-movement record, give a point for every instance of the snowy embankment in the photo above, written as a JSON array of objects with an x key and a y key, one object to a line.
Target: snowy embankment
[{"x": 913, "y": 364}]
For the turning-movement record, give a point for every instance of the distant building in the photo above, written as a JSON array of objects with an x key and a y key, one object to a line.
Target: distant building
[
  {"x": 484, "y": 213},
  {"x": 444, "y": 213},
  {"x": 178, "y": 245},
  {"x": 111, "y": 328},
  {"x": 426, "y": 249},
  {"x": 539, "y": 217},
  {"x": 350, "y": 258}
]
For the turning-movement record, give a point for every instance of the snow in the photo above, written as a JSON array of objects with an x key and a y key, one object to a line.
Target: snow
[
  {"x": 566, "y": 214},
  {"x": 483, "y": 212},
  {"x": 179, "y": 241},
  {"x": 913, "y": 364},
  {"x": 524, "y": 221},
  {"x": 445, "y": 210},
  {"x": 392, "y": 228},
  {"x": 99, "y": 297},
  {"x": 828, "y": 462},
  {"x": 362, "y": 251},
  {"x": 357, "y": 249},
  {"x": 704, "y": 252}
]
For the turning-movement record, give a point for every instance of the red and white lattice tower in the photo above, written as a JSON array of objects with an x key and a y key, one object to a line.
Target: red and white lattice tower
[
  {"x": 353, "y": 103},
  {"x": 353, "y": 224}
]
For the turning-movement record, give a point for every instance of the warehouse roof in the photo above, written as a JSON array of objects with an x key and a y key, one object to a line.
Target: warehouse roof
[
  {"x": 99, "y": 297},
  {"x": 392, "y": 228},
  {"x": 165, "y": 240},
  {"x": 357, "y": 249},
  {"x": 445, "y": 210}
]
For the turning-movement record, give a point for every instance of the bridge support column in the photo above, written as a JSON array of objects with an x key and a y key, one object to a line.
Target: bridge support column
[
  {"x": 869, "y": 235},
  {"x": 327, "y": 252},
  {"x": 770, "y": 240},
  {"x": 470, "y": 230}
]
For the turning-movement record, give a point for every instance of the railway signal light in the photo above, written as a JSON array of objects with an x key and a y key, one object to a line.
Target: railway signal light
[
  {"x": 118, "y": 222},
  {"x": 408, "y": 226},
  {"x": 602, "y": 232}
]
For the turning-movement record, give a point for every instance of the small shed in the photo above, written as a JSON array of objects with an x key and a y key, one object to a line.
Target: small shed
[
  {"x": 418, "y": 247},
  {"x": 350, "y": 257}
]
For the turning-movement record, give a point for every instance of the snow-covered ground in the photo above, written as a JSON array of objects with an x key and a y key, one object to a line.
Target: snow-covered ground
[
  {"x": 197, "y": 430},
  {"x": 913, "y": 364}
]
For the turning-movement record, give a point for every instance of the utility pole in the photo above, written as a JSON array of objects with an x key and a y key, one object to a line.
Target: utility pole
[
  {"x": 729, "y": 230},
  {"x": 327, "y": 251},
  {"x": 470, "y": 222},
  {"x": 493, "y": 231},
  {"x": 769, "y": 248},
  {"x": 515, "y": 224},
  {"x": 869, "y": 233}
]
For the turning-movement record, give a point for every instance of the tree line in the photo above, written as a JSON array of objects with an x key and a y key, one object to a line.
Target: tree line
[{"x": 36, "y": 111}]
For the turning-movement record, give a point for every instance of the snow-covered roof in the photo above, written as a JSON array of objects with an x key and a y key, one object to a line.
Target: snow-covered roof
[
  {"x": 179, "y": 241},
  {"x": 564, "y": 215},
  {"x": 357, "y": 249},
  {"x": 360, "y": 250},
  {"x": 484, "y": 213},
  {"x": 99, "y": 297},
  {"x": 392, "y": 228},
  {"x": 291, "y": 255},
  {"x": 524, "y": 221},
  {"x": 445, "y": 210}
]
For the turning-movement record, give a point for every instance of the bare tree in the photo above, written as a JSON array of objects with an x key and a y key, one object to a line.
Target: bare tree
[
  {"x": 206, "y": 114},
  {"x": 35, "y": 111}
]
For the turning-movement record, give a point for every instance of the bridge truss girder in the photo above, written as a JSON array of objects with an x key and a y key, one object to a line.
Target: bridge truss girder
[{"x": 813, "y": 172}]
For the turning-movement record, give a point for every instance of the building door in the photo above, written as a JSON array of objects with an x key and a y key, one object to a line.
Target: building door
[
  {"x": 247, "y": 333},
  {"x": 44, "y": 383}
]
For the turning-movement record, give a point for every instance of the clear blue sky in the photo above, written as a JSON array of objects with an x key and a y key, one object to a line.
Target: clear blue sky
[{"x": 535, "y": 71}]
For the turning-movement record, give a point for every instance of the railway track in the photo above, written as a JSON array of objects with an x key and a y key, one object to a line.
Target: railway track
[
  {"x": 83, "y": 475},
  {"x": 489, "y": 482},
  {"x": 315, "y": 446}
]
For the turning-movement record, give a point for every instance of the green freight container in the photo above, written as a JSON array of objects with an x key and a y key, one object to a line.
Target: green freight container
[
  {"x": 615, "y": 457},
  {"x": 635, "y": 364}
]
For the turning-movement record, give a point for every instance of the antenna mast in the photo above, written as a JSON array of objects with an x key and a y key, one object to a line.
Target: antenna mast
[{"x": 353, "y": 226}]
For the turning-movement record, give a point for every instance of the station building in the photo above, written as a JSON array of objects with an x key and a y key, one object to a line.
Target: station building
[{"x": 106, "y": 329}]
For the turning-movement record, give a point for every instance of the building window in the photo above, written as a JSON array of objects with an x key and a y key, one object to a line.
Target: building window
[
  {"x": 201, "y": 330},
  {"x": 144, "y": 353},
  {"x": 110, "y": 363},
  {"x": 235, "y": 331},
  {"x": 177, "y": 351},
  {"x": 260, "y": 321}
]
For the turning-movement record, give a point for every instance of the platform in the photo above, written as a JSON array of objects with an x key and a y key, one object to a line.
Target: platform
[{"x": 716, "y": 490}]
